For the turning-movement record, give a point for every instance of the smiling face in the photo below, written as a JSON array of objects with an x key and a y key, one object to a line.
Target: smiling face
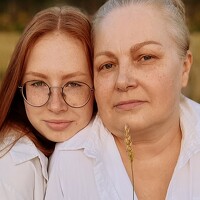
[
  {"x": 138, "y": 74},
  {"x": 57, "y": 59}
]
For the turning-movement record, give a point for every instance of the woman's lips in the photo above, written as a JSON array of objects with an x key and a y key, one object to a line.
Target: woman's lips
[
  {"x": 57, "y": 125},
  {"x": 129, "y": 105}
]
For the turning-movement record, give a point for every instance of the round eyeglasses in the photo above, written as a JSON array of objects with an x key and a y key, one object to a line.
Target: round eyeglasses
[{"x": 75, "y": 94}]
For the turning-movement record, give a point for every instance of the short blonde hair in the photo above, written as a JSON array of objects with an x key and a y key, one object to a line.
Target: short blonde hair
[{"x": 172, "y": 10}]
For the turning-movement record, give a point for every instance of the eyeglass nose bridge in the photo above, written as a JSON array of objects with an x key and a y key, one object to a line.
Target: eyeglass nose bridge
[{"x": 56, "y": 87}]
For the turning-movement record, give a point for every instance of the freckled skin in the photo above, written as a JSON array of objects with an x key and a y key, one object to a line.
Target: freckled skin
[
  {"x": 55, "y": 68},
  {"x": 123, "y": 71}
]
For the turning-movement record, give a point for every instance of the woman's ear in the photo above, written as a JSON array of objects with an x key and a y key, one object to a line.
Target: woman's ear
[{"x": 187, "y": 63}]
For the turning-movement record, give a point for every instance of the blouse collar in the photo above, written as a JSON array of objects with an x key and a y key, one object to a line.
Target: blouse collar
[{"x": 25, "y": 150}]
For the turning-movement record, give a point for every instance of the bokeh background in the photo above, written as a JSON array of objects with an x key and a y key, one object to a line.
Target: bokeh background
[{"x": 15, "y": 14}]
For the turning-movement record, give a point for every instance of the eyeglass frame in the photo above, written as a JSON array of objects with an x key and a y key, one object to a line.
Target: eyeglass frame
[{"x": 62, "y": 87}]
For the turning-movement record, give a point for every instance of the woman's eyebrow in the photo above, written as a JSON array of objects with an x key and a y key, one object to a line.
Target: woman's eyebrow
[
  {"x": 138, "y": 46},
  {"x": 74, "y": 74},
  {"x": 134, "y": 48},
  {"x": 64, "y": 76},
  {"x": 105, "y": 53},
  {"x": 37, "y": 74}
]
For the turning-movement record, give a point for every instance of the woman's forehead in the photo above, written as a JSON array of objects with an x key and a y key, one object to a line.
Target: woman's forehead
[{"x": 132, "y": 25}]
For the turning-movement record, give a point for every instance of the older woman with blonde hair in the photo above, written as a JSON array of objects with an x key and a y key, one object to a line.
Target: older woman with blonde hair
[{"x": 145, "y": 140}]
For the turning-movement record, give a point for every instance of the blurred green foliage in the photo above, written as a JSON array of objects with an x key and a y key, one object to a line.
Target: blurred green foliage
[{"x": 15, "y": 14}]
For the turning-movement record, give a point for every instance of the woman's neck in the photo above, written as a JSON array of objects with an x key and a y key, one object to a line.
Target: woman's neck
[{"x": 154, "y": 140}]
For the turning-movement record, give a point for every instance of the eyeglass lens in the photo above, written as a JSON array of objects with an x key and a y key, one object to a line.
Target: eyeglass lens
[{"x": 75, "y": 94}]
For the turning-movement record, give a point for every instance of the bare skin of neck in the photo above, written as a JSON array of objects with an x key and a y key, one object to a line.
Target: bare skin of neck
[{"x": 153, "y": 165}]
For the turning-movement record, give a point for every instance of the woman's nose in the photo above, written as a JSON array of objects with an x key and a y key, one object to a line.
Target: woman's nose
[
  {"x": 126, "y": 78},
  {"x": 56, "y": 102}
]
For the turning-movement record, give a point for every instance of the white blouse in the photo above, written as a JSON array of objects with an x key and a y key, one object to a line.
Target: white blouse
[
  {"x": 89, "y": 166},
  {"x": 23, "y": 171}
]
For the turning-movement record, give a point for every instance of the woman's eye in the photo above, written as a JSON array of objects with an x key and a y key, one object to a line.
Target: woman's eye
[
  {"x": 73, "y": 84},
  {"x": 146, "y": 57},
  {"x": 38, "y": 84},
  {"x": 106, "y": 66}
]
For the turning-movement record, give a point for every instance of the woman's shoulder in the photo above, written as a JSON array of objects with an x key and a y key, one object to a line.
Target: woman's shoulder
[
  {"x": 190, "y": 123},
  {"x": 15, "y": 177},
  {"x": 21, "y": 174},
  {"x": 16, "y": 144},
  {"x": 20, "y": 181},
  {"x": 190, "y": 107},
  {"x": 21, "y": 153}
]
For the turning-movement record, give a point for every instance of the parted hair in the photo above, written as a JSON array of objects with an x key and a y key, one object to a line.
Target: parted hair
[
  {"x": 172, "y": 10},
  {"x": 65, "y": 19}
]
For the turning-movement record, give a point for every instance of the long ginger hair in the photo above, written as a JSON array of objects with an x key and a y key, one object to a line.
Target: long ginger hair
[{"x": 13, "y": 116}]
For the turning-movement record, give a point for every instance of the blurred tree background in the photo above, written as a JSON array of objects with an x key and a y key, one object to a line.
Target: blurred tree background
[{"x": 15, "y": 14}]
